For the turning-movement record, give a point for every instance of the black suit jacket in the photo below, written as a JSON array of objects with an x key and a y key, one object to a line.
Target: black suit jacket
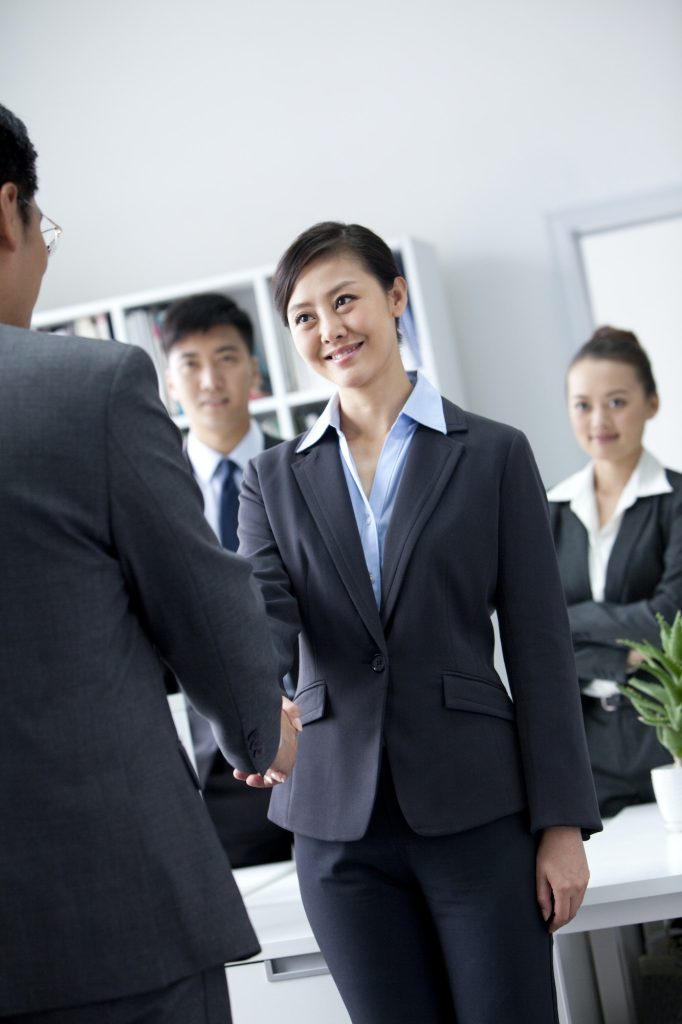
[
  {"x": 112, "y": 880},
  {"x": 644, "y": 576},
  {"x": 469, "y": 534}
]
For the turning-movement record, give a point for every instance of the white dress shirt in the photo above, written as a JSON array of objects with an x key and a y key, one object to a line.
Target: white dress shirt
[
  {"x": 648, "y": 478},
  {"x": 205, "y": 462},
  {"x": 423, "y": 405}
]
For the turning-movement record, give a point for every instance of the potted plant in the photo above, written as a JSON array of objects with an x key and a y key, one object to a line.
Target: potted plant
[{"x": 659, "y": 703}]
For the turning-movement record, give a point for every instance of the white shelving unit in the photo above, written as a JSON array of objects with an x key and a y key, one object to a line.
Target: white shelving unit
[{"x": 292, "y": 394}]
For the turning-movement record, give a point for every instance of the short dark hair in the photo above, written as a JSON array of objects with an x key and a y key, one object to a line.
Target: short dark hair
[
  {"x": 619, "y": 346},
  {"x": 17, "y": 159},
  {"x": 199, "y": 313},
  {"x": 330, "y": 238}
]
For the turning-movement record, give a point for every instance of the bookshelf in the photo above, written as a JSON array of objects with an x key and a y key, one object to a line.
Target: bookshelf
[{"x": 291, "y": 396}]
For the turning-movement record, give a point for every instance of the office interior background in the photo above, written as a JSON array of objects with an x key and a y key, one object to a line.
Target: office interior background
[{"x": 179, "y": 141}]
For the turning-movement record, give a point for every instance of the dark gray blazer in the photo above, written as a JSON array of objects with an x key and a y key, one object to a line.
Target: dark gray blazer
[
  {"x": 644, "y": 576},
  {"x": 469, "y": 534},
  {"x": 112, "y": 880}
]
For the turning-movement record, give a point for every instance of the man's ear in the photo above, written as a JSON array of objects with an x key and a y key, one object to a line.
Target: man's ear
[{"x": 10, "y": 218}]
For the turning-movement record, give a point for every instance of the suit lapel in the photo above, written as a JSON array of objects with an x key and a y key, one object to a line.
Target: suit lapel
[
  {"x": 574, "y": 558},
  {"x": 634, "y": 521},
  {"x": 430, "y": 464},
  {"x": 322, "y": 483}
]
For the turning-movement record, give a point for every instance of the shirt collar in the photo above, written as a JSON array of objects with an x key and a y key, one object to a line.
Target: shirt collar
[
  {"x": 205, "y": 460},
  {"x": 647, "y": 479},
  {"x": 651, "y": 477},
  {"x": 424, "y": 405}
]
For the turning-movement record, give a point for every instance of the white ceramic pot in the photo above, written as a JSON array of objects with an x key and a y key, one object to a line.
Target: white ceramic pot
[{"x": 667, "y": 781}]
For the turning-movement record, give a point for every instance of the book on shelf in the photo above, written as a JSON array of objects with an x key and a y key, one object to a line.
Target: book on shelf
[
  {"x": 143, "y": 328},
  {"x": 97, "y": 326}
]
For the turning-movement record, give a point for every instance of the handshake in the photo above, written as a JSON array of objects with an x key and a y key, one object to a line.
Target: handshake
[{"x": 282, "y": 766}]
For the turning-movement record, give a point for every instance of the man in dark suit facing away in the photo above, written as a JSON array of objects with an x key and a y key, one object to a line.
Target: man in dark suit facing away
[
  {"x": 212, "y": 373},
  {"x": 116, "y": 901}
]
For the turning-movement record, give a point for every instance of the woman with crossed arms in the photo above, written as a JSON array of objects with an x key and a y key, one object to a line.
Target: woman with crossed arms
[
  {"x": 437, "y": 822},
  {"x": 618, "y": 531}
]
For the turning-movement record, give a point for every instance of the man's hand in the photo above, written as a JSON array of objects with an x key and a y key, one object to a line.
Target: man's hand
[
  {"x": 283, "y": 765},
  {"x": 561, "y": 875}
]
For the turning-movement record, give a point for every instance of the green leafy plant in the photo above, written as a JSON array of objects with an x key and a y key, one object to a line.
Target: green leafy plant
[{"x": 660, "y": 703}]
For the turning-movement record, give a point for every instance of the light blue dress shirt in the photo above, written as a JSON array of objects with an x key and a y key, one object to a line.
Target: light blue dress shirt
[{"x": 373, "y": 515}]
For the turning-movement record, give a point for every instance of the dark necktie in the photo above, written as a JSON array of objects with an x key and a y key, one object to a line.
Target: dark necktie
[{"x": 229, "y": 506}]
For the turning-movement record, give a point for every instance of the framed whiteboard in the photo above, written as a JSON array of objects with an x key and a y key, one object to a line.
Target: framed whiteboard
[{"x": 620, "y": 263}]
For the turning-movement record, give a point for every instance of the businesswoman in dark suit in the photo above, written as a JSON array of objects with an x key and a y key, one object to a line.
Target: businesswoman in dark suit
[
  {"x": 438, "y": 823},
  {"x": 618, "y": 531}
]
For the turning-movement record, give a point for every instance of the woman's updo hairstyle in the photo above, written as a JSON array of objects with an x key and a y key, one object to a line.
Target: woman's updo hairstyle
[
  {"x": 330, "y": 238},
  {"x": 620, "y": 347}
]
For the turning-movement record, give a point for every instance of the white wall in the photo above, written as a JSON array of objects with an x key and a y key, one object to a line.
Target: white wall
[{"x": 179, "y": 139}]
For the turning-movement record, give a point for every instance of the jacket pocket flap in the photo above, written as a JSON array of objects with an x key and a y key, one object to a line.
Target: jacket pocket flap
[
  {"x": 466, "y": 693},
  {"x": 312, "y": 701}
]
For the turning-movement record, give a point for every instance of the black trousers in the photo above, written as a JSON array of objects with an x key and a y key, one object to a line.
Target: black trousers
[
  {"x": 199, "y": 999},
  {"x": 622, "y": 753},
  {"x": 435, "y": 930}
]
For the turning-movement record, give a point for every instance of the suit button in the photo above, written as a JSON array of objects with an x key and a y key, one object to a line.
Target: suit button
[
  {"x": 254, "y": 743},
  {"x": 378, "y": 663}
]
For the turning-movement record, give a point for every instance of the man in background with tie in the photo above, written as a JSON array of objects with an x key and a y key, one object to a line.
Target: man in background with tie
[{"x": 212, "y": 372}]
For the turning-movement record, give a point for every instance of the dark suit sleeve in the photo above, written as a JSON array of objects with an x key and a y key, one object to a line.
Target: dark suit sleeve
[
  {"x": 600, "y": 661},
  {"x": 597, "y": 626},
  {"x": 199, "y": 604},
  {"x": 258, "y": 544},
  {"x": 538, "y": 653}
]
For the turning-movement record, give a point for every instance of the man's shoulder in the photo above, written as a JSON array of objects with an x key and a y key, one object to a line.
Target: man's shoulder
[
  {"x": 675, "y": 480},
  {"x": 45, "y": 347}
]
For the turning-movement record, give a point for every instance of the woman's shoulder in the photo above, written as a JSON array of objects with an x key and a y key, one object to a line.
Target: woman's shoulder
[
  {"x": 675, "y": 480},
  {"x": 279, "y": 452},
  {"x": 673, "y": 499},
  {"x": 457, "y": 418},
  {"x": 274, "y": 463}
]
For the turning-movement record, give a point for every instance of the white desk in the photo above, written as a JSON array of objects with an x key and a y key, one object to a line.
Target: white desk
[
  {"x": 635, "y": 876},
  {"x": 635, "y": 872},
  {"x": 288, "y": 981}
]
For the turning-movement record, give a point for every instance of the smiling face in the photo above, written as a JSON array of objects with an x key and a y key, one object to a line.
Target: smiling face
[
  {"x": 211, "y": 374},
  {"x": 343, "y": 322},
  {"x": 608, "y": 408}
]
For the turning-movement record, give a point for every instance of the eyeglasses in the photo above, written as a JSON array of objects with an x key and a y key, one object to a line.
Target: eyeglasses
[{"x": 50, "y": 231}]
